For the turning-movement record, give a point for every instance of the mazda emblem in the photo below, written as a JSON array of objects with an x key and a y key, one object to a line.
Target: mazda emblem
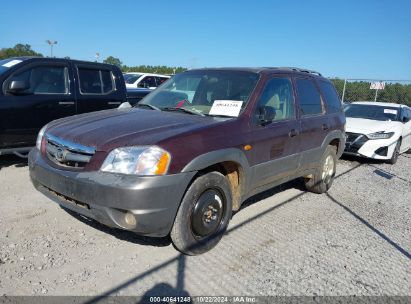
[{"x": 60, "y": 155}]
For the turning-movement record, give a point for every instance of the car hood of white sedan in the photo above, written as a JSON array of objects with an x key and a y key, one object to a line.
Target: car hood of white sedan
[{"x": 367, "y": 126}]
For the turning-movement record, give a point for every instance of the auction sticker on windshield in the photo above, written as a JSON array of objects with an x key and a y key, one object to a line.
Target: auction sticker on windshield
[
  {"x": 226, "y": 107},
  {"x": 390, "y": 111},
  {"x": 11, "y": 63}
]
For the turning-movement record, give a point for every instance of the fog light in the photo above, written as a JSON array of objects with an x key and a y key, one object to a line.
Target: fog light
[
  {"x": 130, "y": 219},
  {"x": 383, "y": 151}
]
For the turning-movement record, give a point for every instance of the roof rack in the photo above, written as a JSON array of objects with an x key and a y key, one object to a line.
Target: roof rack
[{"x": 302, "y": 70}]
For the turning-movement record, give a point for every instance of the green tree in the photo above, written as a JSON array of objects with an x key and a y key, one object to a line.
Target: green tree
[
  {"x": 113, "y": 60},
  {"x": 360, "y": 91},
  {"x": 18, "y": 50},
  {"x": 158, "y": 69}
]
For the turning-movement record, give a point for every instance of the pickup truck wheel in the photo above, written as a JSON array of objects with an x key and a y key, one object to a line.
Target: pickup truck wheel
[
  {"x": 204, "y": 214},
  {"x": 324, "y": 176}
]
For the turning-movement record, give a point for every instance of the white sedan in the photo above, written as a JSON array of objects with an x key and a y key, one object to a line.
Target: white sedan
[
  {"x": 378, "y": 130},
  {"x": 144, "y": 80}
]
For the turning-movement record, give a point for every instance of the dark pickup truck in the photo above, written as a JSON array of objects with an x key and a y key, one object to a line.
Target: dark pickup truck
[
  {"x": 193, "y": 151},
  {"x": 35, "y": 91}
]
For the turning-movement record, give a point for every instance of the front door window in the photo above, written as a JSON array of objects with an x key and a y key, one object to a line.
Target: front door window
[{"x": 44, "y": 80}]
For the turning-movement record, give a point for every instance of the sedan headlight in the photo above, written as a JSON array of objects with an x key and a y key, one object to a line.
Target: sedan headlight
[
  {"x": 380, "y": 135},
  {"x": 40, "y": 137},
  {"x": 142, "y": 160}
]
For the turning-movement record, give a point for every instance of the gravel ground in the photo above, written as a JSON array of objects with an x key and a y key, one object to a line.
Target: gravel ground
[{"x": 355, "y": 240}]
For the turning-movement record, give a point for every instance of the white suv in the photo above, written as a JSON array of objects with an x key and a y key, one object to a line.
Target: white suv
[
  {"x": 144, "y": 80},
  {"x": 377, "y": 130}
]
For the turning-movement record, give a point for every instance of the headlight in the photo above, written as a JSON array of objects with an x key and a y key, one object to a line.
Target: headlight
[
  {"x": 380, "y": 135},
  {"x": 40, "y": 137},
  {"x": 144, "y": 160}
]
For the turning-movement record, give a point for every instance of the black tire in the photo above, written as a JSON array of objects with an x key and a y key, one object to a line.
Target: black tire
[
  {"x": 320, "y": 183},
  {"x": 395, "y": 154},
  {"x": 207, "y": 199}
]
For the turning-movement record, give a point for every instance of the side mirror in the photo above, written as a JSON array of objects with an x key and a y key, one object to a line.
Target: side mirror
[
  {"x": 405, "y": 119},
  {"x": 266, "y": 115},
  {"x": 17, "y": 87}
]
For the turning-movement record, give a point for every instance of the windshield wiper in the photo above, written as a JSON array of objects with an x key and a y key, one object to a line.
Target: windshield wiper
[
  {"x": 182, "y": 110},
  {"x": 220, "y": 115},
  {"x": 146, "y": 105}
]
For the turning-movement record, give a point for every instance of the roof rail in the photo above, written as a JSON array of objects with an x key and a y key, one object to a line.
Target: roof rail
[{"x": 302, "y": 70}]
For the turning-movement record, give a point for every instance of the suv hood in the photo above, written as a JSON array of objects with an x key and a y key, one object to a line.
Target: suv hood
[
  {"x": 367, "y": 126},
  {"x": 105, "y": 130}
]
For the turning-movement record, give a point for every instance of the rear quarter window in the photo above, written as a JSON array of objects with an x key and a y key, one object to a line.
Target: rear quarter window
[{"x": 331, "y": 98}]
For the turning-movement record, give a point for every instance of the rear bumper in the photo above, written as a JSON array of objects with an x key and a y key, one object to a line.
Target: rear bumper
[{"x": 107, "y": 197}]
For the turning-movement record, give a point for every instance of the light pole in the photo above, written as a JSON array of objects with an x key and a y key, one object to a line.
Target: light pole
[
  {"x": 97, "y": 56},
  {"x": 51, "y": 43}
]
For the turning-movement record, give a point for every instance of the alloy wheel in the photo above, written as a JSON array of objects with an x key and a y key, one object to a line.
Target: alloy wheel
[{"x": 328, "y": 169}]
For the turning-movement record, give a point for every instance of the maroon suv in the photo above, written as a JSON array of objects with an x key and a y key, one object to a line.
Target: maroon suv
[{"x": 193, "y": 151}]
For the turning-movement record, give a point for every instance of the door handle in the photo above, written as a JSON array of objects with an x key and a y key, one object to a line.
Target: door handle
[
  {"x": 66, "y": 103},
  {"x": 292, "y": 133},
  {"x": 325, "y": 127},
  {"x": 114, "y": 102}
]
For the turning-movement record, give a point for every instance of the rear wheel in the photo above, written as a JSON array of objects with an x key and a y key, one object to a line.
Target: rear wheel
[
  {"x": 323, "y": 177},
  {"x": 395, "y": 154},
  {"x": 204, "y": 214}
]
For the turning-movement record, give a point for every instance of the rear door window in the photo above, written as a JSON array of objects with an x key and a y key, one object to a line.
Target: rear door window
[
  {"x": 331, "y": 97},
  {"x": 160, "y": 80},
  {"x": 147, "y": 82},
  {"x": 107, "y": 81},
  {"x": 95, "y": 81},
  {"x": 309, "y": 97}
]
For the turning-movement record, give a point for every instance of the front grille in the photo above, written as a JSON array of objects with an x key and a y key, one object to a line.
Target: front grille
[
  {"x": 350, "y": 137},
  {"x": 67, "y": 153},
  {"x": 354, "y": 141}
]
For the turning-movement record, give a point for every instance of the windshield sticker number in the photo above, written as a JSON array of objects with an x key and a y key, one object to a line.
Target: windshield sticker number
[
  {"x": 226, "y": 107},
  {"x": 11, "y": 63},
  {"x": 390, "y": 111}
]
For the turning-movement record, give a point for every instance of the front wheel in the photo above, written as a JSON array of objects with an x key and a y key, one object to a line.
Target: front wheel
[
  {"x": 204, "y": 214},
  {"x": 395, "y": 154},
  {"x": 324, "y": 175}
]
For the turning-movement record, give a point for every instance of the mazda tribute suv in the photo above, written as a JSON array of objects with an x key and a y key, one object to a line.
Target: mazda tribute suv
[{"x": 191, "y": 152}]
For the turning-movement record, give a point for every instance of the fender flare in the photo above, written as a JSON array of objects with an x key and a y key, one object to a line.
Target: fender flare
[
  {"x": 224, "y": 155},
  {"x": 335, "y": 134}
]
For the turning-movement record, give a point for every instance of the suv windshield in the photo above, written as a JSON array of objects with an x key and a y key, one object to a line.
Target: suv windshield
[
  {"x": 197, "y": 91},
  {"x": 131, "y": 78},
  {"x": 373, "y": 112},
  {"x": 8, "y": 63}
]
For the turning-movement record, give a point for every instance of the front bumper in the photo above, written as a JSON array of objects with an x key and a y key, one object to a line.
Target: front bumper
[
  {"x": 108, "y": 197},
  {"x": 370, "y": 148}
]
